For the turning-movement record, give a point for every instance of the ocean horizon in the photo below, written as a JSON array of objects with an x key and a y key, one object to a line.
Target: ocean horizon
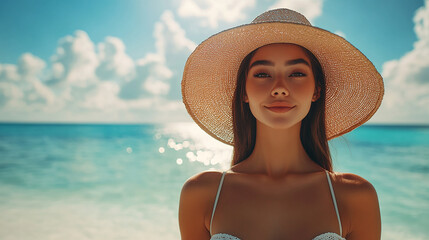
[{"x": 123, "y": 181}]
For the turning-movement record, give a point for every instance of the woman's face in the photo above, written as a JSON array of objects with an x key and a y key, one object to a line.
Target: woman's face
[{"x": 280, "y": 85}]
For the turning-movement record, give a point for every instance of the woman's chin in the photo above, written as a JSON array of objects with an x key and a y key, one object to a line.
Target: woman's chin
[{"x": 279, "y": 124}]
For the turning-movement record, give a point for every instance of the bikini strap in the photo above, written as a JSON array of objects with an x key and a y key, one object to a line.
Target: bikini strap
[
  {"x": 215, "y": 203},
  {"x": 335, "y": 202}
]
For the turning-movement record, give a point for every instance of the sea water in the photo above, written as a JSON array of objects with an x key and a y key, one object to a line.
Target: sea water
[{"x": 60, "y": 181}]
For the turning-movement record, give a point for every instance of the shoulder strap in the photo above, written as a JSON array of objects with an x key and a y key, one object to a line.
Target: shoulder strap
[
  {"x": 335, "y": 202},
  {"x": 217, "y": 197}
]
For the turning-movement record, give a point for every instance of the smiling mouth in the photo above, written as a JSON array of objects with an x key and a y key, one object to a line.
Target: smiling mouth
[{"x": 279, "y": 109}]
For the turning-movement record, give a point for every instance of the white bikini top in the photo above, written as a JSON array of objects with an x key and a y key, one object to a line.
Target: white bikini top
[{"x": 324, "y": 236}]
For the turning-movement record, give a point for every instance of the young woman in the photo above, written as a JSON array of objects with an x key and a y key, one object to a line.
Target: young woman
[{"x": 277, "y": 89}]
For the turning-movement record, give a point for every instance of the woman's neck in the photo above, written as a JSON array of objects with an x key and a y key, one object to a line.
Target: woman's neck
[{"x": 278, "y": 152}]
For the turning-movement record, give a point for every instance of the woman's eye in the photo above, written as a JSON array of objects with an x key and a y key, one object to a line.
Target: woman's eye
[
  {"x": 262, "y": 75},
  {"x": 298, "y": 74}
]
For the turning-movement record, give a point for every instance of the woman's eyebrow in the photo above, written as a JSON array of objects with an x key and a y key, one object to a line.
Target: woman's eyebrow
[
  {"x": 297, "y": 61},
  {"x": 261, "y": 62},
  {"x": 289, "y": 62}
]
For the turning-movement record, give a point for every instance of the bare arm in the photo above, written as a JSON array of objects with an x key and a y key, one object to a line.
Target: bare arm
[
  {"x": 193, "y": 207},
  {"x": 364, "y": 210}
]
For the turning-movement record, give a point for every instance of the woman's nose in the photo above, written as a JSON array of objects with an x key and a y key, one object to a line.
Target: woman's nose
[{"x": 279, "y": 90}]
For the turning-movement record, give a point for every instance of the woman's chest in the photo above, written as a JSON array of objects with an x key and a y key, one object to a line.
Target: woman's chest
[{"x": 274, "y": 212}]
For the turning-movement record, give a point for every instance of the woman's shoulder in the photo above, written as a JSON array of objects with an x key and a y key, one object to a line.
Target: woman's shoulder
[
  {"x": 202, "y": 179},
  {"x": 203, "y": 184},
  {"x": 352, "y": 185},
  {"x": 357, "y": 196},
  {"x": 358, "y": 203},
  {"x": 196, "y": 200}
]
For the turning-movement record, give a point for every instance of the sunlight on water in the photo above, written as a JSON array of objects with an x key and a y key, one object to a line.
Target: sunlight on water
[
  {"x": 200, "y": 146},
  {"x": 161, "y": 150}
]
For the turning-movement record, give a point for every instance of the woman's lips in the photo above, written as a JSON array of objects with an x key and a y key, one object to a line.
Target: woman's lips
[{"x": 279, "y": 109}]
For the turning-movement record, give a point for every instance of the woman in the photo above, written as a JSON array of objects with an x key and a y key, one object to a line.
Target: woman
[{"x": 277, "y": 89}]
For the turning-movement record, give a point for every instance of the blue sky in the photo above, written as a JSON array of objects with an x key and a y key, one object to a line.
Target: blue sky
[{"x": 121, "y": 61}]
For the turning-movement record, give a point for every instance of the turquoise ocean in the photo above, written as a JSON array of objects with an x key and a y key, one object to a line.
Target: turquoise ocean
[{"x": 76, "y": 181}]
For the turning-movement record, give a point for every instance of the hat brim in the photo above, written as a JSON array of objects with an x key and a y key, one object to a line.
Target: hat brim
[{"x": 354, "y": 88}]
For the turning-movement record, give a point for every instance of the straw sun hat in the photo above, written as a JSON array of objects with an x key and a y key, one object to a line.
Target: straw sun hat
[{"x": 354, "y": 88}]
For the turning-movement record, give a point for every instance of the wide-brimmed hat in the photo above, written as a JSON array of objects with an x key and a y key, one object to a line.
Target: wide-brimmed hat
[{"x": 354, "y": 88}]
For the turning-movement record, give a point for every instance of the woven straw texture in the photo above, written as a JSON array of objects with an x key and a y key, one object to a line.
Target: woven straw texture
[{"x": 354, "y": 88}]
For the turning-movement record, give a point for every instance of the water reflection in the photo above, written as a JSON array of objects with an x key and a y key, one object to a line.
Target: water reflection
[
  {"x": 199, "y": 146},
  {"x": 161, "y": 150},
  {"x": 129, "y": 150}
]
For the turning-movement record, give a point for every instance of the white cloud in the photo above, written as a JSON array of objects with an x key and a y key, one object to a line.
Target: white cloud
[
  {"x": 8, "y": 72},
  {"x": 77, "y": 58},
  {"x": 155, "y": 86},
  {"x": 103, "y": 97},
  {"x": 407, "y": 79},
  {"x": 170, "y": 38},
  {"x": 21, "y": 85},
  {"x": 115, "y": 64},
  {"x": 156, "y": 82},
  {"x": 211, "y": 12},
  {"x": 153, "y": 73},
  {"x": 311, "y": 9},
  {"x": 177, "y": 33},
  {"x": 30, "y": 65},
  {"x": 57, "y": 70},
  {"x": 40, "y": 92},
  {"x": 88, "y": 83},
  {"x": 10, "y": 95}
]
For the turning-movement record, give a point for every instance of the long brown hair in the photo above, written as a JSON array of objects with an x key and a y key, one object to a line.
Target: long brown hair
[{"x": 312, "y": 134}]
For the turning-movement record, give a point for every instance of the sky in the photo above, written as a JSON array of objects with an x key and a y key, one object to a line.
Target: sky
[{"x": 107, "y": 61}]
